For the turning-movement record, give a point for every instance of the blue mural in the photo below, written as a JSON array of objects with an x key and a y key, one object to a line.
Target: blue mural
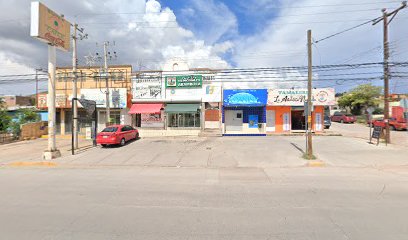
[
  {"x": 245, "y": 97},
  {"x": 253, "y": 121}
]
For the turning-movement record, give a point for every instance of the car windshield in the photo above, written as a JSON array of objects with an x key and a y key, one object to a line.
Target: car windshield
[
  {"x": 326, "y": 118},
  {"x": 349, "y": 115},
  {"x": 110, "y": 129}
]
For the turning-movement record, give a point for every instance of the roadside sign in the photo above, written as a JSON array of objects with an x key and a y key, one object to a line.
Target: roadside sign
[
  {"x": 89, "y": 105},
  {"x": 377, "y": 132}
]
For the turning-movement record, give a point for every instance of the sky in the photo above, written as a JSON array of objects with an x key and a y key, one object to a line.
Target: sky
[{"x": 213, "y": 34}]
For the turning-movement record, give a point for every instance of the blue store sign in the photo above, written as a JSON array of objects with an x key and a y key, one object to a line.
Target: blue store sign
[{"x": 245, "y": 97}]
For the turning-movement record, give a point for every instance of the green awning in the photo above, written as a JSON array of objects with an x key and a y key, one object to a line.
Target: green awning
[{"x": 182, "y": 108}]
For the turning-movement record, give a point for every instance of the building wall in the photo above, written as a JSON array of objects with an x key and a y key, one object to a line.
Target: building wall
[{"x": 279, "y": 111}]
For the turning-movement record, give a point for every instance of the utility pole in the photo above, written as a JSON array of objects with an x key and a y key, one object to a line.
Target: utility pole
[
  {"x": 36, "y": 85},
  {"x": 74, "y": 81},
  {"x": 309, "y": 151},
  {"x": 74, "y": 88},
  {"x": 384, "y": 18},
  {"x": 105, "y": 55}
]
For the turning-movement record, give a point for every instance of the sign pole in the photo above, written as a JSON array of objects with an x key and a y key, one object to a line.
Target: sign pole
[{"x": 52, "y": 151}]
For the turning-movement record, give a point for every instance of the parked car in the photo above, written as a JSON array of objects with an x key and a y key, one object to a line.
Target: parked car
[
  {"x": 327, "y": 122},
  {"x": 116, "y": 134},
  {"x": 343, "y": 117},
  {"x": 394, "y": 123}
]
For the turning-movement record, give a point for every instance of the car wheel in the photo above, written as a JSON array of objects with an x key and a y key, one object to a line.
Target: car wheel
[
  {"x": 137, "y": 136},
  {"x": 341, "y": 121},
  {"x": 122, "y": 142},
  {"x": 393, "y": 128},
  {"x": 104, "y": 145}
]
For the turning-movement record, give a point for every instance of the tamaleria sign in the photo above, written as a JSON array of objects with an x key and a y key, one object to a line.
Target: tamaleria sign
[
  {"x": 297, "y": 97},
  {"x": 49, "y": 27}
]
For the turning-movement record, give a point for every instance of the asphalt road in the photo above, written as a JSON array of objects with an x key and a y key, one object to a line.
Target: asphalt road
[
  {"x": 208, "y": 188},
  {"x": 202, "y": 203}
]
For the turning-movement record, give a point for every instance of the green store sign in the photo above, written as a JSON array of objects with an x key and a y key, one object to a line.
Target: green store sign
[{"x": 186, "y": 81}]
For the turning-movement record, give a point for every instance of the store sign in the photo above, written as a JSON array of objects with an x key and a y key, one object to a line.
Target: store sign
[
  {"x": 187, "y": 81},
  {"x": 117, "y": 97},
  {"x": 49, "y": 27},
  {"x": 297, "y": 97},
  {"x": 245, "y": 97},
  {"x": 152, "y": 120},
  {"x": 147, "y": 86},
  {"x": 211, "y": 93},
  {"x": 61, "y": 101},
  {"x": 42, "y": 100}
]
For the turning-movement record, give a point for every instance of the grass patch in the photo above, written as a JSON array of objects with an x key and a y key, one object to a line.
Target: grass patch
[{"x": 305, "y": 156}]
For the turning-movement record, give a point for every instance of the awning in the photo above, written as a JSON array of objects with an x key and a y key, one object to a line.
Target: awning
[
  {"x": 153, "y": 108},
  {"x": 182, "y": 108}
]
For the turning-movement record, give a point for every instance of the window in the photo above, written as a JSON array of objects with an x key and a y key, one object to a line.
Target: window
[
  {"x": 110, "y": 129},
  {"x": 184, "y": 120}
]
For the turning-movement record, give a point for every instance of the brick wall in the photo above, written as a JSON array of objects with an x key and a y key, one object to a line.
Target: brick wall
[{"x": 33, "y": 130}]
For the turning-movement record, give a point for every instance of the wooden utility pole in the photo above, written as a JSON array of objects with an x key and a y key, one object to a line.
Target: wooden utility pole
[
  {"x": 309, "y": 151},
  {"x": 386, "y": 65}
]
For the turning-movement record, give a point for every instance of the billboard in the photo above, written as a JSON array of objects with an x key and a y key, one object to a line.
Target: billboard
[
  {"x": 117, "y": 97},
  {"x": 49, "y": 27},
  {"x": 297, "y": 97},
  {"x": 147, "y": 86},
  {"x": 245, "y": 97}
]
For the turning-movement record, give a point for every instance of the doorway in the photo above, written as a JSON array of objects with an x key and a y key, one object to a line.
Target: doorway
[
  {"x": 234, "y": 120},
  {"x": 298, "y": 120}
]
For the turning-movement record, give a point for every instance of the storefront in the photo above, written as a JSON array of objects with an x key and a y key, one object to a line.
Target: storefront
[
  {"x": 285, "y": 111},
  {"x": 148, "y": 115},
  {"x": 243, "y": 112},
  {"x": 183, "y": 116}
]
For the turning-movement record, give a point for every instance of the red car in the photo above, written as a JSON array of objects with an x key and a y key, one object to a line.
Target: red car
[
  {"x": 394, "y": 124},
  {"x": 116, "y": 134},
  {"x": 343, "y": 117}
]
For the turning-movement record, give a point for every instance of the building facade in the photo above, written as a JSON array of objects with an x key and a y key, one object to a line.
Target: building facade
[
  {"x": 177, "y": 99},
  {"x": 91, "y": 85}
]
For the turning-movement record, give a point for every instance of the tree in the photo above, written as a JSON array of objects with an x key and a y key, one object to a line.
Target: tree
[
  {"x": 5, "y": 118},
  {"x": 360, "y": 98},
  {"x": 24, "y": 116}
]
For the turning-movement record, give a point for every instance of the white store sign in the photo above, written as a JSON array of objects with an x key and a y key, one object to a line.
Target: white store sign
[
  {"x": 297, "y": 97},
  {"x": 148, "y": 86},
  {"x": 117, "y": 97},
  {"x": 211, "y": 93}
]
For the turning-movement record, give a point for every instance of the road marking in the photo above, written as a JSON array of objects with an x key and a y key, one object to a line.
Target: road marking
[
  {"x": 315, "y": 164},
  {"x": 32, "y": 164}
]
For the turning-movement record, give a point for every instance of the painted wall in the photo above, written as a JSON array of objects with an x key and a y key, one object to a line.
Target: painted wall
[{"x": 279, "y": 111}]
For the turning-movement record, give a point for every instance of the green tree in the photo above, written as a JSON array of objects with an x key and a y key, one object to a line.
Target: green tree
[
  {"x": 5, "y": 118},
  {"x": 24, "y": 116},
  {"x": 360, "y": 98}
]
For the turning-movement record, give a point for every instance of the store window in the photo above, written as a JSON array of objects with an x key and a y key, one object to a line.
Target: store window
[{"x": 184, "y": 120}]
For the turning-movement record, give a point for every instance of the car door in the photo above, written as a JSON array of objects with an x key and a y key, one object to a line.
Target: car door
[
  {"x": 123, "y": 133},
  {"x": 127, "y": 133},
  {"x": 130, "y": 133}
]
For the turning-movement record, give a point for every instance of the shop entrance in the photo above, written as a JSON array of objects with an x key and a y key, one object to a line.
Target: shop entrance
[
  {"x": 298, "y": 120},
  {"x": 233, "y": 120}
]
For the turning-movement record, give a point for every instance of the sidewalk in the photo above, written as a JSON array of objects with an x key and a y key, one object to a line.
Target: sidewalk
[{"x": 32, "y": 150}]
